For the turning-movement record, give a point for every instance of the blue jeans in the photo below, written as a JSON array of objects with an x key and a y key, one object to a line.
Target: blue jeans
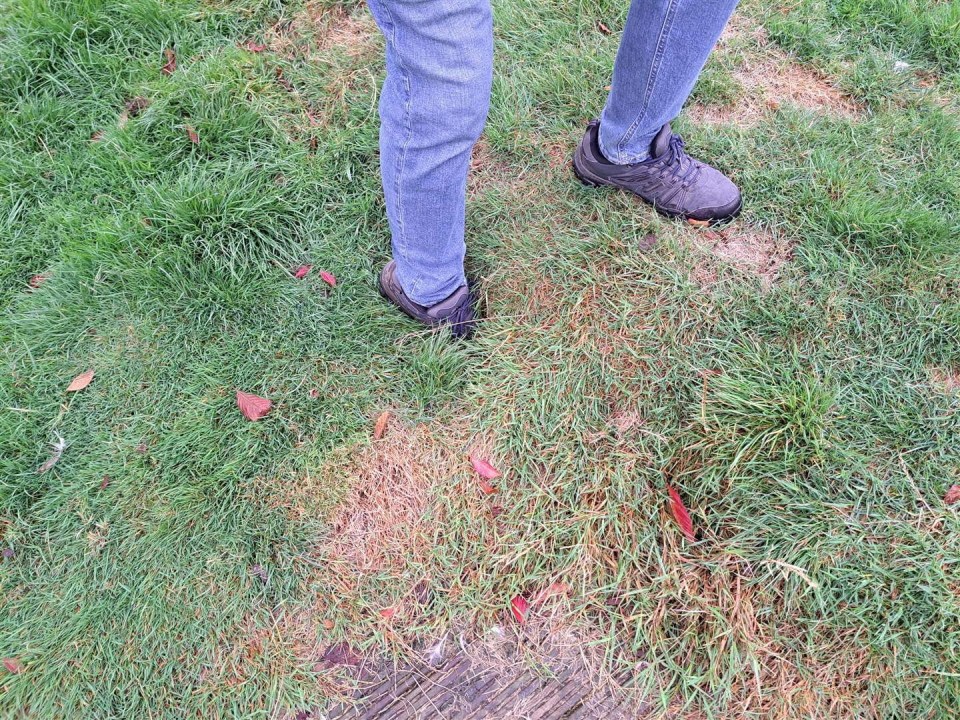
[{"x": 434, "y": 104}]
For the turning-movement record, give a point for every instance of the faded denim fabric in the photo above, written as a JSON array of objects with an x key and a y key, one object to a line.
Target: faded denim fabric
[{"x": 436, "y": 95}]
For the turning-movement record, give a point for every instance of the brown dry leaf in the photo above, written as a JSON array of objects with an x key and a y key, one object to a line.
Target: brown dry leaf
[
  {"x": 328, "y": 624},
  {"x": 171, "y": 64},
  {"x": 381, "y": 425},
  {"x": 136, "y": 105},
  {"x": 253, "y": 407},
  {"x": 253, "y": 47},
  {"x": 192, "y": 134},
  {"x": 388, "y": 612},
  {"x": 341, "y": 654},
  {"x": 698, "y": 223},
  {"x": 603, "y": 28},
  {"x": 80, "y": 381},
  {"x": 56, "y": 451},
  {"x": 557, "y": 588},
  {"x": 952, "y": 495},
  {"x": 487, "y": 488},
  {"x": 97, "y": 136}
]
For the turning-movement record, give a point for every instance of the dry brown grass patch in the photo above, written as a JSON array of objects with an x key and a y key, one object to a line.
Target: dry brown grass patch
[
  {"x": 757, "y": 251},
  {"x": 769, "y": 78},
  {"x": 380, "y": 525},
  {"x": 945, "y": 379},
  {"x": 317, "y": 29}
]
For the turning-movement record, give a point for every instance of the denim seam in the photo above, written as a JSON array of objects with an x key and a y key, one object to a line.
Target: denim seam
[
  {"x": 651, "y": 80},
  {"x": 408, "y": 136}
]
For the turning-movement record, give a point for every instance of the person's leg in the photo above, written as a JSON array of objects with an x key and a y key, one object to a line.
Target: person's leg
[
  {"x": 664, "y": 47},
  {"x": 433, "y": 108}
]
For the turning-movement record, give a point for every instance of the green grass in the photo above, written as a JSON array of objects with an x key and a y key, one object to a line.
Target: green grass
[{"x": 801, "y": 423}]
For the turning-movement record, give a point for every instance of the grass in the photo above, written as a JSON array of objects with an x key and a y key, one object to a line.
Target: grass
[{"x": 805, "y": 420}]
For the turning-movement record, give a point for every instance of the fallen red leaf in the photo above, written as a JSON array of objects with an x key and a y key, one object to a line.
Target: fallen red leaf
[
  {"x": 603, "y": 28},
  {"x": 953, "y": 495},
  {"x": 680, "y": 514},
  {"x": 104, "y": 482},
  {"x": 253, "y": 47},
  {"x": 328, "y": 278},
  {"x": 97, "y": 136},
  {"x": 80, "y": 381},
  {"x": 253, "y": 407},
  {"x": 341, "y": 654},
  {"x": 487, "y": 488},
  {"x": 171, "y": 64},
  {"x": 314, "y": 393},
  {"x": 388, "y": 613},
  {"x": 380, "y": 427},
  {"x": 483, "y": 468},
  {"x": 13, "y": 665},
  {"x": 38, "y": 280},
  {"x": 328, "y": 624},
  {"x": 519, "y": 606},
  {"x": 301, "y": 272},
  {"x": 192, "y": 134}
]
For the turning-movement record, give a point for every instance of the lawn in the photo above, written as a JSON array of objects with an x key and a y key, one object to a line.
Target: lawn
[{"x": 795, "y": 377}]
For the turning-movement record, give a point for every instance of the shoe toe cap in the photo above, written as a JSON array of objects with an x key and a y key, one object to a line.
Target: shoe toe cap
[{"x": 717, "y": 196}]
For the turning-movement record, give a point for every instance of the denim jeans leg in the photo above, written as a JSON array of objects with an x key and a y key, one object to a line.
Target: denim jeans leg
[
  {"x": 433, "y": 107},
  {"x": 664, "y": 47}
]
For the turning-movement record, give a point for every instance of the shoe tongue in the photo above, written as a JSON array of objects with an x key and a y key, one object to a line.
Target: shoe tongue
[{"x": 661, "y": 142}]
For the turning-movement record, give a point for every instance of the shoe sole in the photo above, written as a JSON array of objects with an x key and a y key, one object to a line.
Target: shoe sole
[{"x": 591, "y": 180}]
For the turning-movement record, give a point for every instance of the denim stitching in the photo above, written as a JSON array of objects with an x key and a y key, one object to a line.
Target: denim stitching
[{"x": 651, "y": 80}]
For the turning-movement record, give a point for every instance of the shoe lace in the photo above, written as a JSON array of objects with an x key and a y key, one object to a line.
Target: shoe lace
[{"x": 680, "y": 165}]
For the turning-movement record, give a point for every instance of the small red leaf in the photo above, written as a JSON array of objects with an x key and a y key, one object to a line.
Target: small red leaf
[
  {"x": 192, "y": 134},
  {"x": 341, "y": 654},
  {"x": 487, "y": 488},
  {"x": 953, "y": 495},
  {"x": 80, "y": 381},
  {"x": 680, "y": 514},
  {"x": 483, "y": 468},
  {"x": 253, "y": 47},
  {"x": 314, "y": 393},
  {"x": 381, "y": 425},
  {"x": 104, "y": 482},
  {"x": 519, "y": 606},
  {"x": 253, "y": 407},
  {"x": 301, "y": 272},
  {"x": 38, "y": 280},
  {"x": 13, "y": 665},
  {"x": 603, "y": 28},
  {"x": 328, "y": 278},
  {"x": 388, "y": 613},
  {"x": 171, "y": 64}
]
